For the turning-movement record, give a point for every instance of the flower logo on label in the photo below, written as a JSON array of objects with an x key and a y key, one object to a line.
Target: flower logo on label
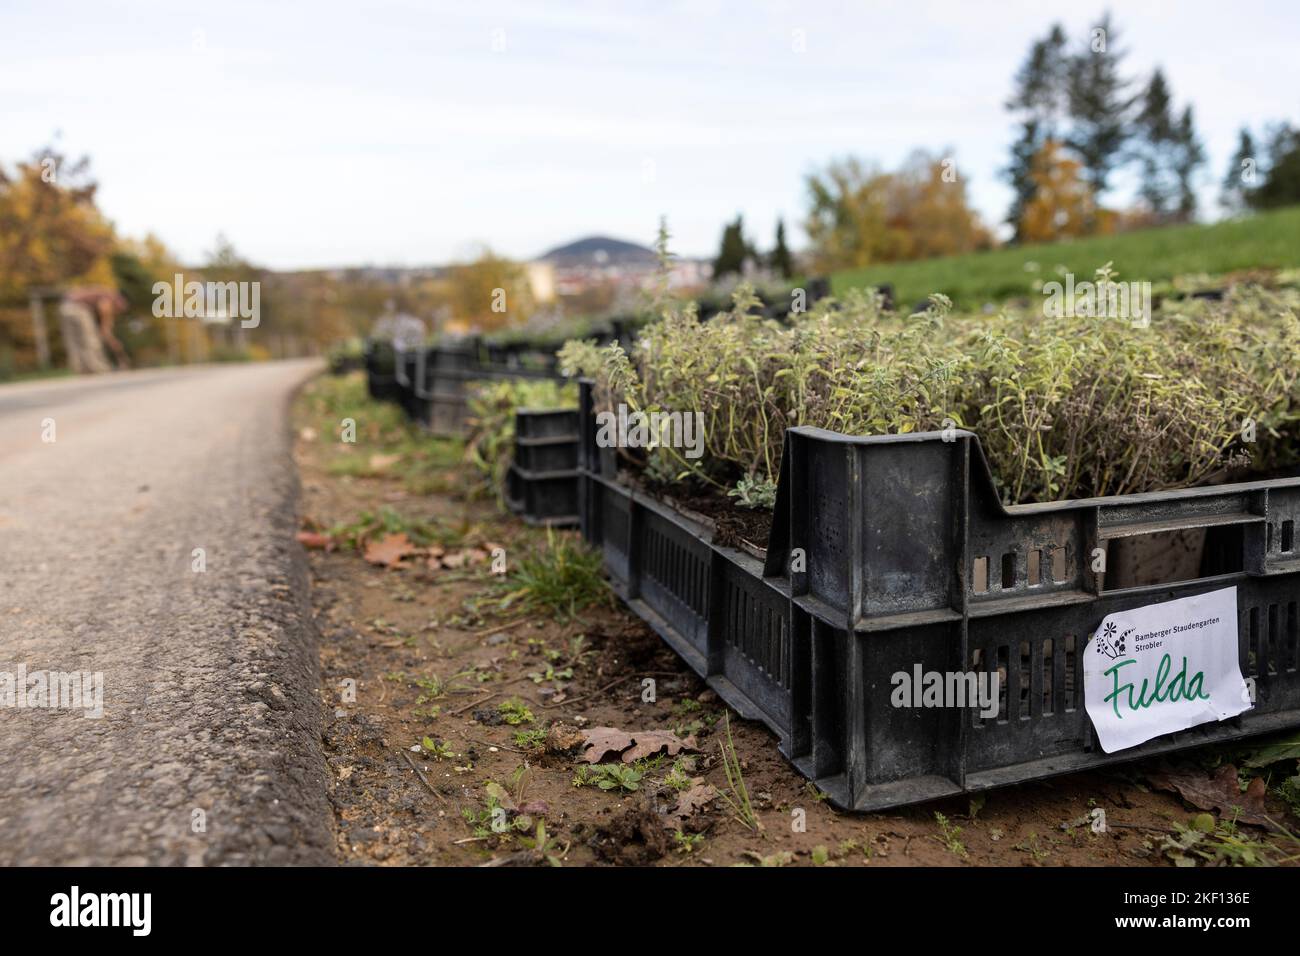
[{"x": 1109, "y": 644}]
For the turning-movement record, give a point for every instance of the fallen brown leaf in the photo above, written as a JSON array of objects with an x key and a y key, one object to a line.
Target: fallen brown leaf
[
  {"x": 390, "y": 549},
  {"x": 690, "y": 802},
  {"x": 601, "y": 741},
  {"x": 1219, "y": 792},
  {"x": 316, "y": 539}
]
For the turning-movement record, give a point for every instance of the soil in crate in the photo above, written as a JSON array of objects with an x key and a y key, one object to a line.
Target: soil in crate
[{"x": 733, "y": 526}]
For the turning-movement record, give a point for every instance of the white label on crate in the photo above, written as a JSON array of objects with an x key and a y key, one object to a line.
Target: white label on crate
[{"x": 1164, "y": 667}]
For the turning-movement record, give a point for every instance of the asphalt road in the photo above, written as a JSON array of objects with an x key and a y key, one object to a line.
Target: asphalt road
[{"x": 208, "y": 747}]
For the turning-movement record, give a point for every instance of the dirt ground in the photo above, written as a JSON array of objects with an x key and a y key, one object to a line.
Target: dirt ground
[{"x": 417, "y": 663}]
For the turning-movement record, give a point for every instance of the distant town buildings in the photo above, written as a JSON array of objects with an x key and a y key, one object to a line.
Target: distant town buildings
[{"x": 596, "y": 262}]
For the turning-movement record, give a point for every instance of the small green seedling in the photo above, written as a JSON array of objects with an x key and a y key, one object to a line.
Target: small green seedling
[
  {"x": 515, "y": 712},
  {"x": 950, "y": 836}
]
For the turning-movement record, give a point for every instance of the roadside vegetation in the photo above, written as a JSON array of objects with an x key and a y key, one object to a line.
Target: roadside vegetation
[{"x": 492, "y": 407}]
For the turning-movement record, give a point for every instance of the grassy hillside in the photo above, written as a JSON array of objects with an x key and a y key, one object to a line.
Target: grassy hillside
[{"x": 1267, "y": 240}]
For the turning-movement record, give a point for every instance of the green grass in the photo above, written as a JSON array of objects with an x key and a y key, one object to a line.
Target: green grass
[
  {"x": 423, "y": 464},
  {"x": 9, "y": 377},
  {"x": 1266, "y": 240},
  {"x": 560, "y": 579}
]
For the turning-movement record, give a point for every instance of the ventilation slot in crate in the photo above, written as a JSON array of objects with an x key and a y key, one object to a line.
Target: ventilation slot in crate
[
  {"x": 676, "y": 570},
  {"x": 991, "y": 573},
  {"x": 1056, "y": 691}
]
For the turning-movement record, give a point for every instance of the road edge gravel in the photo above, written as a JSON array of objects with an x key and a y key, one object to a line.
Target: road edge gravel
[{"x": 295, "y": 824}]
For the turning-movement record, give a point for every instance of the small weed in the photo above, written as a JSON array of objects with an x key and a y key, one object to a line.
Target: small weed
[
  {"x": 950, "y": 836},
  {"x": 1031, "y": 846},
  {"x": 551, "y": 674},
  {"x": 737, "y": 796},
  {"x": 850, "y": 846},
  {"x": 608, "y": 776},
  {"x": 386, "y": 521},
  {"x": 530, "y": 739},
  {"x": 515, "y": 712},
  {"x": 783, "y": 858},
  {"x": 813, "y": 791},
  {"x": 686, "y": 706},
  {"x": 548, "y": 847},
  {"x": 687, "y": 842},
  {"x": 562, "y": 579},
  {"x": 679, "y": 777},
  {"x": 438, "y": 749},
  {"x": 1206, "y": 841},
  {"x": 520, "y": 777},
  {"x": 434, "y": 687}
]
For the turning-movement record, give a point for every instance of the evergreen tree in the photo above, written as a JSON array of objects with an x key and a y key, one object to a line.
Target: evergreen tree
[
  {"x": 780, "y": 261},
  {"x": 1241, "y": 177},
  {"x": 1189, "y": 155},
  {"x": 1155, "y": 150},
  {"x": 733, "y": 250},
  {"x": 1281, "y": 181},
  {"x": 1099, "y": 105},
  {"x": 1039, "y": 98}
]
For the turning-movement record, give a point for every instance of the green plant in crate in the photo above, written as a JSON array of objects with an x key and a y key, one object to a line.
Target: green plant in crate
[
  {"x": 492, "y": 406},
  {"x": 1064, "y": 406}
]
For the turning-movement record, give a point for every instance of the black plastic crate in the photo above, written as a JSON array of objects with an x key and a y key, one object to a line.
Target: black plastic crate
[
  {"x": 381, "y": 380},
  {"x": 546, "y": 439},
  {"x": 911, "y": 559},
  {"x": 445, "y": 373},
  {"x": 408, "y": 372},
  {"x": 443, "y": 378},
  {"x": 542, "y": 484},
  {"x": 543, "y": 498}
]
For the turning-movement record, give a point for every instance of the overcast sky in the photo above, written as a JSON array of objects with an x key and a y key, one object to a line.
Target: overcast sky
[{"x": 333, "y": 133}]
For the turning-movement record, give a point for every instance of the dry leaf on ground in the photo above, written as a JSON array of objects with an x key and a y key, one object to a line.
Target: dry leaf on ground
[
  {"x": 601, "y": 741},
  {"x": 690, "y": 802},
  {"x": 316, "y": 539},
  {"x": 454, "y": 560},
  {"x": 1220, "y": 792},
  {"x": 390, "y": 549}
]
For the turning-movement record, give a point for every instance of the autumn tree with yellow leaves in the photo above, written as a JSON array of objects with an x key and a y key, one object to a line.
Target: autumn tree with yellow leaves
[
  {"x": 860, "y": 215},
  {"x": 1062, "y": 204},
  {"x": 51, "y": 231},
  {"x": 489, "y": 292}
]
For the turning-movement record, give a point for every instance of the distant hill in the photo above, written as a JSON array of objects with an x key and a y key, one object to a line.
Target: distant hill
[{"x": 599, "y": 251}]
